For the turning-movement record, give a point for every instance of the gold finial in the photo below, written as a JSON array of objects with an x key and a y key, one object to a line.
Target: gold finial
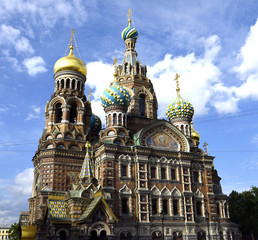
[
  {"x": 71, "y": 43},
  {"x": 177, "y": 84},
  {"x": 205, "y": 145},
  {"x": 129, "y": 14},
  {"x": 89, "y": 95},
  {"x": 87, "y": 145},
  {"x": 115, "y": 72}
]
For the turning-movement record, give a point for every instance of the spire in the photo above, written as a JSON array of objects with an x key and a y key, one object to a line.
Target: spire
[
  {"x": 115, "y": 69},
  {"x": 177, "y": 84},
  {"x": 86, "y": 171}
]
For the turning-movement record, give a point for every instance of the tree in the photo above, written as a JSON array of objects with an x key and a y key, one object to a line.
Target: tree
[
  {"x": 13, "y": 231},
  {"x": 243, "y": 209}
]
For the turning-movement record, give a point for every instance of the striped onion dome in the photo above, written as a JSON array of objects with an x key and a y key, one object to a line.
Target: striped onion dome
[{"x": 129, "y": 32}]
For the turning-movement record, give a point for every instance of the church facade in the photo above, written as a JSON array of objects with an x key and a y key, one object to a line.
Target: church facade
[{"x": 139, "y": 177}]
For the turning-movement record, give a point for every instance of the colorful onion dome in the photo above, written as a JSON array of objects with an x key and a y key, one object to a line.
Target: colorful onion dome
[
  {"x": 195, "y": 134},
  {"x": 129, "y": 32},
  {"x": 95, "y": 123},
  {"x": 180, "y": 109},
  {"x": 70, "y": 62},
  {"x": 115, "y": 95}
]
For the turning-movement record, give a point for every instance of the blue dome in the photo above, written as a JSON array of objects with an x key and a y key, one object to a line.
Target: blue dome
[
  {"x": 95, "y": 123},
  {"x": 115, "y": 95}
]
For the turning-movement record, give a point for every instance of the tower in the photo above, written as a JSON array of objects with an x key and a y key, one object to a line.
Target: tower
[
  {"x": 61, "y": 150},
  {"x": 133, "y": 75}
]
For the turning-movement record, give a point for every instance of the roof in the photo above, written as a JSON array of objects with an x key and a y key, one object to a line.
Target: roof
[
  {"x": 92, "y": 206},
  {"x": 58, "y": 210}
]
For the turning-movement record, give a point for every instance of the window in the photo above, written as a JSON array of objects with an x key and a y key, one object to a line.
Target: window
[
  {"x": 218, "y": 209},
  {"x": 125, "y": 208},
  {"x": 73, "y": 113},
  {"x": 165, "y": 206},
  {"x": 154, "y": 206},
  {"x": 142, "y": 105},
  {"x": 153, "y": 172},
  {"x": 198, "y": 208},
  {"x": 163, "y": 173},
  {"x": 114, "y": 119},
  {"x": 58, "y": 113},
  {"x": 123, "y": 170},
  {"x": 196, "y": 177},
  {"x": 175, "y": 207},
  {"x": 173, "y": 174}
]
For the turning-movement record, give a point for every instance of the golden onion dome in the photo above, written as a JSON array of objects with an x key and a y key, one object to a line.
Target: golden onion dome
[
  {"x": 70, "y": 62},
  {"x": 195, "y": 134}
]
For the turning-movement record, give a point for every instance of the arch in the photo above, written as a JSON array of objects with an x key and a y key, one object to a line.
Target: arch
[
  {"x": 201, "y": 235},
  {"x": 62, "y": 232},
  {"x": 176, "y": 193},
  {"x": 73, "y": 113},
  {"x": 165, "y": 191},
  {"x": 60, "y": 146},
  {"x": 59, "y": 135},
  {"x": 62, "y": 83},
  {"x": 50, "y": 146},
  {"x": 48, "y": 136},
  {"x": 56, "y": 100},
  {"x": 74, "y": 147},
  {"x": 125, "y": 190},
  {"x": 57, "y": 85},
  {"x": 76, "y": 100},
  {"x": 114, "y": 119},
  {"x": 79, "y": 137},
  {"x": 69, "y": 136},
  {"x": 155, "y": 191},
  {"x": 137, "y": 68}
]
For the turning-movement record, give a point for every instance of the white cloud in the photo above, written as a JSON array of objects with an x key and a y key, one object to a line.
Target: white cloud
[
  {"x": 248, "y": 56},
  {"x": 11, "y": 36},
  {"x": 35, "y": 65},
  {"x": 34, "y": 114},
  {"x": 14, "y": 195}
]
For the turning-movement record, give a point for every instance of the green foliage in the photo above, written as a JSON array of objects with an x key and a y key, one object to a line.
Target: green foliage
[
  {"x": 13, "y": 231},
  {"x": 243, "y": 209}
]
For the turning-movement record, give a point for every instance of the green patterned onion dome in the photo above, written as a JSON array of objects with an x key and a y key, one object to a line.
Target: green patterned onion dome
[
  {"x": 180, "y": 109},
  {"x": 129, "y": 32},
  {"x": 115, "y": 95}
]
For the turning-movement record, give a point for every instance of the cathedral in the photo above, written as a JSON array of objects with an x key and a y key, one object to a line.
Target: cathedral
[{"x": 137, "y": 178}]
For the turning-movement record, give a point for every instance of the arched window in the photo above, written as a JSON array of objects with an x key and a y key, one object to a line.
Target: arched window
[
  {"x": 114, "y": 119},
  {"x": 57, "y": 85},
  {"x": 218, "y": 209},
  {"x": 58, "y": 113},
  {"x": 182, "y": 128},
  {"x": 73, "y": 84},
  {"x": 142, "y": 104},
  {"x": 73, "y": 113},
  {"x": 67, "y": 83},
  {"x": 62, "y": 83},
  {"x": 196, "y": 176},
  {"x": 137, "y": 68},
  {"x": 78, "y": 85},
  {"x": 126, "y": 66},
  {"x": 120, "y": 119}
]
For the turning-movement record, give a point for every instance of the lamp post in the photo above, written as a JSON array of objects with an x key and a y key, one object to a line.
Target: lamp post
[
  {"x": 162, "y": 223},
  {"x": 208, "y": 224}
]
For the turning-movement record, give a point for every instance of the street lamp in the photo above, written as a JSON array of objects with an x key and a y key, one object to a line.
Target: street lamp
[
  {"x": 162, "y": 223},
  {"x": 208, "y": 225}
]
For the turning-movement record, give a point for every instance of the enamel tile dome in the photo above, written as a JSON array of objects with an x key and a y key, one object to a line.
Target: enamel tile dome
[
  {"x": 129, "y": 32},
  {"x": 115, "y": 95},
  {"x": 180, "y": 109}
]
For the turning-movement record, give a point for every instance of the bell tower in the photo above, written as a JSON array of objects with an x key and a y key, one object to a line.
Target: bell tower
[
  {"x": 61, "y": 150},
  {"x": 133, "y": 75}
]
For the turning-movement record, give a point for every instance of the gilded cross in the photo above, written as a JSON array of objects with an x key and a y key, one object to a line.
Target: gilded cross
[
  {"x": 115, "y": 61},
  {"x": 72, "y": 37},
  {"x": 89, "y": 95},
  {"x": 205, "y": 145},
  {"x": 129, "y": 14},
  {"x": 177, "y": 83}
]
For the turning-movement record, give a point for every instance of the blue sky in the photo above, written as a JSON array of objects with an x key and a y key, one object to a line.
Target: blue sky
[{"x": 213, "y": 45}]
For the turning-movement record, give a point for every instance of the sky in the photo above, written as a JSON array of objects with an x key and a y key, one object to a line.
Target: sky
[{"x": 213, "y": 45}]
